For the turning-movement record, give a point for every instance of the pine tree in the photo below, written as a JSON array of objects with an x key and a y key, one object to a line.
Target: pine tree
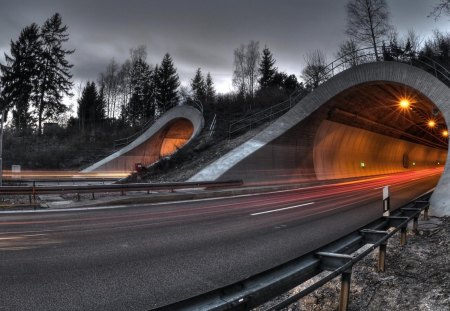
[
  {"x": 141, "y": 105},
  {"x": 55, "y": 77},
  {"x": 167, "y": 85},
  {"x": 19, "y": 76},
  {"x": 210, "y": 92},
  {"x": 198, "y": 87},
  {"x": 90, "y": 109},
  {"x": 266, "y": 69}
]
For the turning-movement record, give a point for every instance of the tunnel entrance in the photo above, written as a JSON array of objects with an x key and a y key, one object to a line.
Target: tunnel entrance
[
  {"x": 176, "y": 135},
  {"x": 377, "y": 128},
  {"x": 364, "y": 98}
]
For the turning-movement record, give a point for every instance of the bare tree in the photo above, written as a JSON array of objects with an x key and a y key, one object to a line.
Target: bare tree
[
  {"x": 315, "y": 71},
  {"x": 348, "y": 54},
  {"x": 245, "y": 74},
  {"x": 239, "y": 73},
  {"x": 414, "y": 40},
  {"x": 252, "y": 56},
  {"x": 368, "y": 21},
  {"x": 442, "y": 7}
]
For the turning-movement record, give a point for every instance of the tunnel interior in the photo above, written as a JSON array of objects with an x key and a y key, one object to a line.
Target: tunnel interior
[
  {"x": 372, "y": 128},
  {"x": 173, "y": 136}
]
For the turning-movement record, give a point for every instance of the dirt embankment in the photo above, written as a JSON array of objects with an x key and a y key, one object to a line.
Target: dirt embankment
[{"x": 417, "y": 277}]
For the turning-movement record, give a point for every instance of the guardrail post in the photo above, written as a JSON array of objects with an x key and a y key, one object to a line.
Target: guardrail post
[
  {"x": 372, "y": 237},
  {"x": 403, "y": 236},
  {"x": 416, "y": 224},
  {"x": 334, "y": 261},
  {"x": 345, "y": 290},
  {"x": 425, "y": 213},
  {"x": 382, "y": 257},
  {"x": 93, "y": 196}
]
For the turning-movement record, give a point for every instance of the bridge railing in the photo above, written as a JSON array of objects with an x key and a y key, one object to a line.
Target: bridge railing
[{"x": 344, "y": 62}]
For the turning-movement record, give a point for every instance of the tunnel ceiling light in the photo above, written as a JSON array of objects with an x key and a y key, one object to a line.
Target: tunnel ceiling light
[
  {"x": 405, "y": 103},
  {"x": 431, "y": 123},
  {"x": 445, "y": 133}
]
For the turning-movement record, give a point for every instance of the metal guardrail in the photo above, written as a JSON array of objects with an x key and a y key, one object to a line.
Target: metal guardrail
[
  {"x": 354, "y": 58},
  {"x": 33, "y": 191},
  {"x": 334, "y": 257}
]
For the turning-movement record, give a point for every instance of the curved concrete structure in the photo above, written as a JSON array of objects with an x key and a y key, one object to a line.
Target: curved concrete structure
[
  {"x": 280, "y": 147},
  {"x": 176, "y": 128},
  {"x": 342, "y": 151}
]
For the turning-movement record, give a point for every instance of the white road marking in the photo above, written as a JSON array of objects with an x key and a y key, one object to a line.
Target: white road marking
[{"x": 281, "y": 209}]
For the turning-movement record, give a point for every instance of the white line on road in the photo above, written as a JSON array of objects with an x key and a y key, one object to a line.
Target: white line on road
[{"x": 281, "y": 209}]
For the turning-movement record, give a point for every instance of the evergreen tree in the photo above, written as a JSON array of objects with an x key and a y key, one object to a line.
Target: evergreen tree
[
  {"x": 55, "y": 77},
  {"x": 91, "y": 107},
  {"x": 210, "y": 92},
  {"x": 141, "y": 105},
  {"x": 291, "y": 84},
  {"x": 19, "y": 76},
  {"x": 198, "y": 87},
  {"x": 167, "y": 85},
  {"x": 100, "y": 107},
  {"x": 266, "y": 69}
]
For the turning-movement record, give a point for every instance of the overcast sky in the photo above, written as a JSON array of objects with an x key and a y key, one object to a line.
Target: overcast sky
[{"x": 201, "y": 33}]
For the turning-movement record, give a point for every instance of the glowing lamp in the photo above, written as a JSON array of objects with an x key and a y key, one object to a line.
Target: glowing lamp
[
  {"x": 431, "y": 123},
  {"x": 404, "y": 103},
  {"x": 445, "y": 133}
]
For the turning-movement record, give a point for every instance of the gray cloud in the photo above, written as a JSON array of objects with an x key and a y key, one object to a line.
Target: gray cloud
[{"x": 200, "y": 33}]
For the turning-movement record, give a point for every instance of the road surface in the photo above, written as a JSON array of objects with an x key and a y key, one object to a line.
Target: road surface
[{"x": 142, "y": 257}]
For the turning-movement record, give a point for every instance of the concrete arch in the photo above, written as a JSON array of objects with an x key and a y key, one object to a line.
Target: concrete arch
[
  {"x": 428, "y": 85},
  {"x": 176, "y": 128}
]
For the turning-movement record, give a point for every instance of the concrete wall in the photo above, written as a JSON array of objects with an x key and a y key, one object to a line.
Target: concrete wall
[
  {"x": 339, "y": 151},
  {"x": 169, "y": 133},
  {"x": 234, "y": 162}
]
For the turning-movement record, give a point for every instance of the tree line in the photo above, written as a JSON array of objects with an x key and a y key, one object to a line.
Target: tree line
[
  {"x": 134, "y": 92},
  {"x": 37, "y": 75}
]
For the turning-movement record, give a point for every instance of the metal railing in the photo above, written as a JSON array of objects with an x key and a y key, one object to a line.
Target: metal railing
[
  {"x": 33, "y": 191},
  {"x": 212, "y": 126},
  {"x": 346, "y": 61},
  {"x": 268, "y": 114},
  {"x": 335, "y": 257},
  {"x": 119, "y": 143}
]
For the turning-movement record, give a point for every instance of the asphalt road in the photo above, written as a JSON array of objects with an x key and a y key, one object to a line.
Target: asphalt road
[{"x": 142, "y": 257}]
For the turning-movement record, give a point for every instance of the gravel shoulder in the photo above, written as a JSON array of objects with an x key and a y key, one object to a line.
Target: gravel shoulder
[{"x": 417, "y": 276}]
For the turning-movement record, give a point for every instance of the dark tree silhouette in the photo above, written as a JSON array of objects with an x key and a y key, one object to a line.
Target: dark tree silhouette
[
  {"x": 167, "y": 83},
  {"x": 91, "y": 107},
  {"x": 367, "y": 21},
  {"x": 267, "y": 70},
  {"x": 20, "y": 74},
  {"x": 54, "y": 79},
  {"x": 198, "y": 87},
  {"x": 210, "y": 92},
  {"x": 442, "y": 7}
]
